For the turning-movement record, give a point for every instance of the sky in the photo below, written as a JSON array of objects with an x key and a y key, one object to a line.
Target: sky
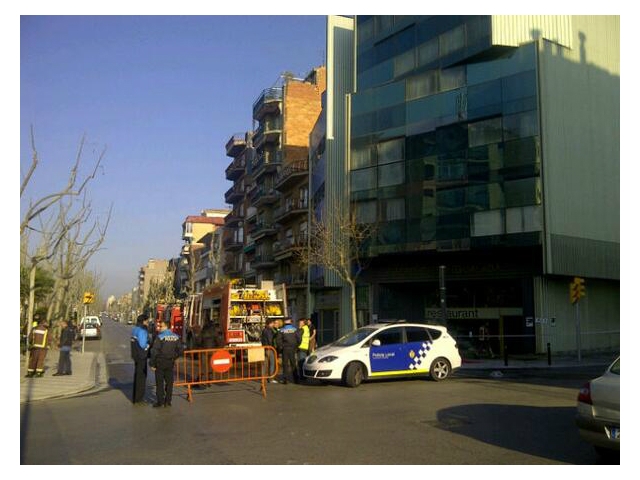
[{"x": 159, "y": 96}]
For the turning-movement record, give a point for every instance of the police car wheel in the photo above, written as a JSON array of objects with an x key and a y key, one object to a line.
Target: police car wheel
[
  {"x": 354, "y": 374},
  {"x": 440, "y": 369}
]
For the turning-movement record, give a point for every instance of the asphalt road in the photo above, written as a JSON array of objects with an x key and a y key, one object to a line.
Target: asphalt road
[{"x": 520, "y": 418}]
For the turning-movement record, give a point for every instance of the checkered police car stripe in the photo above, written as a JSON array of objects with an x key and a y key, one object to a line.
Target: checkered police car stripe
[{"x": 419, "y": 356}]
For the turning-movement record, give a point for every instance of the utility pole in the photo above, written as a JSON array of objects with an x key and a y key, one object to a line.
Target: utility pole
[{"x": 443, "y": 295}]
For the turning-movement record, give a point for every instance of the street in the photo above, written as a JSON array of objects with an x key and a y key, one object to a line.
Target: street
[{"x": 523, "y": 419}]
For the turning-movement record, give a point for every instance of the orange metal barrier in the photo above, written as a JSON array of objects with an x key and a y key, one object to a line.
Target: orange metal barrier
[{"x": 221, "y": 365}]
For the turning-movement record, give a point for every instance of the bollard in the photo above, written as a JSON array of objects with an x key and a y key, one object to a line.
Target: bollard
[
  {"x": 549, "y": 354},
  {"x": 506, "y": 357}
]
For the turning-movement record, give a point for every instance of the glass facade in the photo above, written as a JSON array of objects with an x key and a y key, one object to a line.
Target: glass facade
[{"x": 445, "y": 149}]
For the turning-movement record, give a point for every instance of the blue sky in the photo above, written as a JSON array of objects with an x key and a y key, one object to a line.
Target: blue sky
[{"x": 162, "y": 95}]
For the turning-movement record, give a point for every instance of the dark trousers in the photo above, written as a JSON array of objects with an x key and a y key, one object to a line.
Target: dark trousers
[
  {"x": 64, "y": 362},
  {"x": 164, "y": 384},
  {"x": 139, "y": 380},
  {"x": 36, "y": 360},
  {"x": 289, "y": 365}
]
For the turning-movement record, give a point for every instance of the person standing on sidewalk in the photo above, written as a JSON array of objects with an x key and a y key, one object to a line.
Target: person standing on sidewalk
[
  {"x": 66, "y": 342},
  {"x": 38, "y": 346},
  {"x": 288, "y": 339},
  {"x": 139, "y": 354},
  {"x": 166, "y": 348}
]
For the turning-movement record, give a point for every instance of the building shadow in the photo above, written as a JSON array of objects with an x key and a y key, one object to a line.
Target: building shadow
[{"x": 536, "y": 431}]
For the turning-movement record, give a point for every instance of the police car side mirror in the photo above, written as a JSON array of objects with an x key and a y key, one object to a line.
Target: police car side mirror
[{"x": 376, "y": 343}]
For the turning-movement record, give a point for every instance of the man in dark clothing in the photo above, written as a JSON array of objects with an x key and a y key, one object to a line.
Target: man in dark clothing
[
  {"x": 66, "y": 342},
  {"x": 167, "y": 346},
  {"x": 139, "y": 354},
  {"x": 268, "y": 339},
  {"x": 288, "y": 339},
  {"x": 207, "y": 335}
]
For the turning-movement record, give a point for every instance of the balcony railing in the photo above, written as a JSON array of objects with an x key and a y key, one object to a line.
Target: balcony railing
[
  {"x": 293, "y": 207},
  {"x": 234, "y": 194},
  {"x": 235, "y": 169},
  {"x": 289, "y": 174},
  {"x": 236, "y": 144},
  {"x": 268, "y": 101}
]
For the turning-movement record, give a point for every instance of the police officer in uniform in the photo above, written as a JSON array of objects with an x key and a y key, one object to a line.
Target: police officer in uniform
[
  {"x": 38, "y": 345},
  {"x": 166, "y": 347},
  {"x": 139, "y": 354},
  {"x": 288, "y": 339}
]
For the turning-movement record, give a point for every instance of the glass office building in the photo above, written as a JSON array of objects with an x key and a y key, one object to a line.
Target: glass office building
[{"x": 447, "y": 157}]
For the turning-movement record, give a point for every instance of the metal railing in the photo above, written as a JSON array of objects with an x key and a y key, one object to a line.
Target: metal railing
[{"x": 209, "y": 366}]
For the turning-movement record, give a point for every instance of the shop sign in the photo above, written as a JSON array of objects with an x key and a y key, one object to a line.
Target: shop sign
[{"x": 471, "y": 313}]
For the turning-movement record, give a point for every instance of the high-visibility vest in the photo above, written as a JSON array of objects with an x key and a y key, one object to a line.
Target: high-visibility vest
[
  {"x": 304, "y": 344},
  {"x": 39, "y": 337}
]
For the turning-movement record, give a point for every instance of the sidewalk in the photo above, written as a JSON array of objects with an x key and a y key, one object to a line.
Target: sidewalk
[
  {"x": 539, "y": 361},
  {"x": 89, "y": 371}
]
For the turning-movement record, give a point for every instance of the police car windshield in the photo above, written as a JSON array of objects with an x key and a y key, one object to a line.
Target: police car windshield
[{"x": 354, "y": 337}]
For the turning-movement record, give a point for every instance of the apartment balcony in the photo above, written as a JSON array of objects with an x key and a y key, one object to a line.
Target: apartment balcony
[
  {"x": 284, "y": 249},
  {"x": 263, "y": 261},
  {"x": 234, "y": 194},
  {"x": 293, "y": 281},
  {"x": 265, "y": 196},
  {"x": 268, "y": 162},
  {"x": 236, "y": 144},
  {"x": 268, "y": 132},
  {"x": 232, "y": 220},
  {"x": 236, "y": 169},
  {"x": 231, "y": 244},
  {"x": 268, "y": 102},
  {"x": 291, "y": 174},
  {"x": 263, "y": 230},
  {"x": 293, "y": 209}
]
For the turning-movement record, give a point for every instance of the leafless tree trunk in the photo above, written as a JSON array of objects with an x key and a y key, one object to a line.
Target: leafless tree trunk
[{"x": 340, "y": 245}]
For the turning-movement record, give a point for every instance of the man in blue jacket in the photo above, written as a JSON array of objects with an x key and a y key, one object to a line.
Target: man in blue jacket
[
  {"x": 166, "y": 348},
  {"x": 139, "y": 354},
  {"x": 288, "y": 339}
]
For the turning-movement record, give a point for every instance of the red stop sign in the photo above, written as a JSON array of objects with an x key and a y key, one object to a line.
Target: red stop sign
[{"x": 221, "y": 361}]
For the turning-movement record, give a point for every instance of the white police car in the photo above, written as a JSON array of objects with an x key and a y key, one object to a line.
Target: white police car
[{"x": 386, "y": 350}]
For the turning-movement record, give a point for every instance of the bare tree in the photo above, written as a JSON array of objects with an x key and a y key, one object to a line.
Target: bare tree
[
  {"x": 80, "y": 243},
  {"x": 72, "y": 188},
  {"x": 339, "y": 243},
  {"x": 57, "y": 233}
]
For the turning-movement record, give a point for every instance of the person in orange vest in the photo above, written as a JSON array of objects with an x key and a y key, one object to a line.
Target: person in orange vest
[{"x": 38, "y": 346}]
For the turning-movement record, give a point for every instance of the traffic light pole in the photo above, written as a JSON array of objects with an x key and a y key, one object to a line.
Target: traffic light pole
[
  {"x": 578, "y": 340},
  {"x": 84, "y": 329}
]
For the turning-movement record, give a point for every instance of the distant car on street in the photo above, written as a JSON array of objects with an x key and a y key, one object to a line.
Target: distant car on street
[
  {"x": 386, "y": 350},
  {"x": 598, "y": 415},
  {"x": 90, "y": 327}
]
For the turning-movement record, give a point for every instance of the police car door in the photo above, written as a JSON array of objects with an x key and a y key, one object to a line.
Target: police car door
[{"x": 387, "y": 353}]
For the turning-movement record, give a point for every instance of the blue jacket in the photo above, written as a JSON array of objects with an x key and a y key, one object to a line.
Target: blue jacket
[{"x": 139, "y": 343}]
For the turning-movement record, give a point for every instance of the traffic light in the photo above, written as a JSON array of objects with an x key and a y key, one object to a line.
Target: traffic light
[{"x": 577, "y": 290}]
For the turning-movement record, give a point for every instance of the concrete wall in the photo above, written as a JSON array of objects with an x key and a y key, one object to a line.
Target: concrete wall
[
  {"x": 580, "y": 128},
  {"x": 599, "y": 313}
]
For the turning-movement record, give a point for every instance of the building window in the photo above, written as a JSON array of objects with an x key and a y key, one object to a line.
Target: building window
[
  {"x": 392, "y": 174},
  {"x": 391, "y": 151},
  {"x": 364, "y": 179},
  {"x": 422, "y": 85},
  {"x": 393, "y": 209},
  {"x": 428, "y": 52},
  {"x": 366, "y": 211},
  {"x": 404, "y": 63},
  {"x": 485, "y": 132},
  {"x": 452, "y": 40}
]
